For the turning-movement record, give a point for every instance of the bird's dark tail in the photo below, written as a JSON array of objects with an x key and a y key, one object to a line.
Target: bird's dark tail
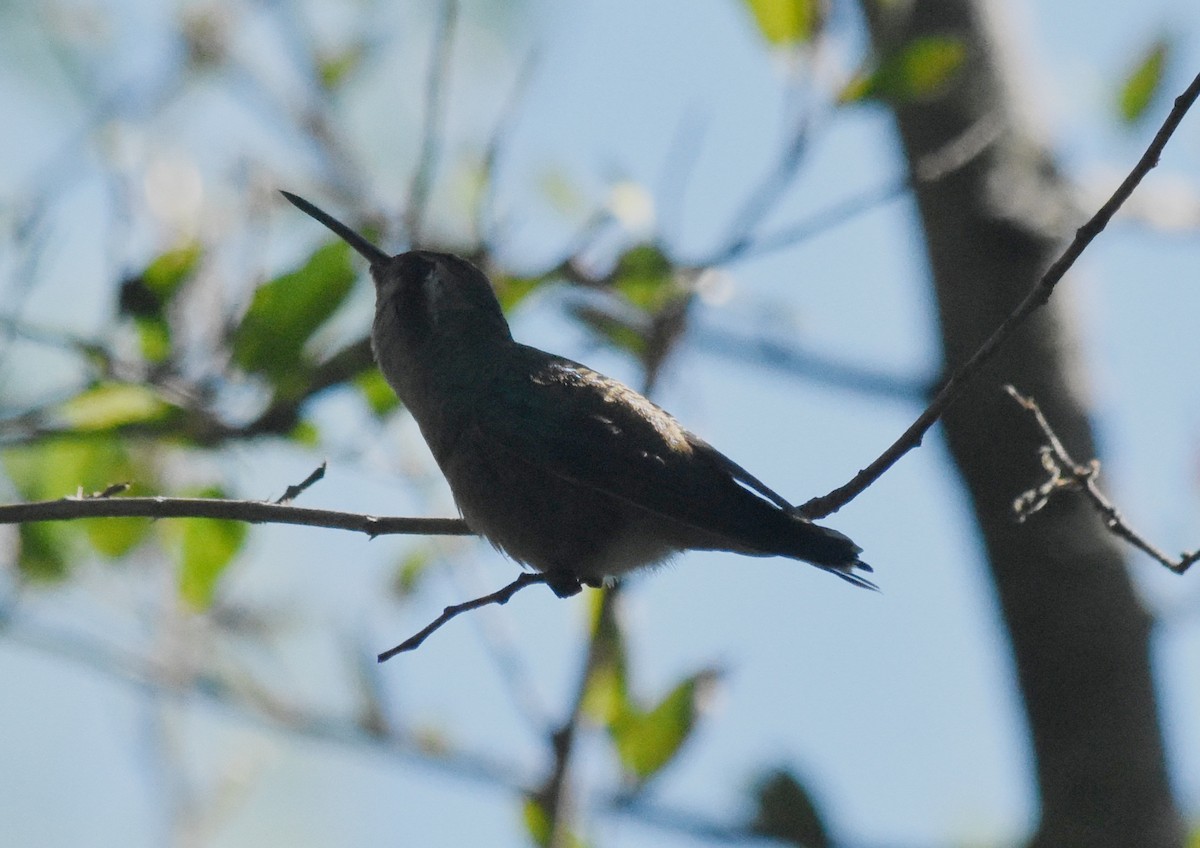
[{"x": 826, "y": 548}]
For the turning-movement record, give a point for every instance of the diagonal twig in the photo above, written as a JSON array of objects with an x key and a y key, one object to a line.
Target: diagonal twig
[
  {"x": 820, "y": 507},
  {"x": 501, "y": 596},
  {"x": 435, "y": 96},
  {"x": 485, "y": 226}
]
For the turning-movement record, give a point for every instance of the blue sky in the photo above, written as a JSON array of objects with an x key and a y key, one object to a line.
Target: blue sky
[{"x": 898, "y": 707}]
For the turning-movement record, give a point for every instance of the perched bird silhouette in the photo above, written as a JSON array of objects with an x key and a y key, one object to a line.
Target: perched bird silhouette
[{"x": 559, "y": 467}]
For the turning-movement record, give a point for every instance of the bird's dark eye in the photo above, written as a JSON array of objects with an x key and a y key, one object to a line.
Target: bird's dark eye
[
  {"x": 419, "y": 292},
  {"x": 417, "y": 268}
]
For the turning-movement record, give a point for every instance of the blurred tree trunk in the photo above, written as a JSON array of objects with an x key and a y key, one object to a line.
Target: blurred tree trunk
[{"x": 994, "y": 213}]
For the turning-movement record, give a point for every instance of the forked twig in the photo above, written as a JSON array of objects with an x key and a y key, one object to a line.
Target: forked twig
[
  {"x": 501, "y": 596},
  {"x": 1065, "y": 473}
]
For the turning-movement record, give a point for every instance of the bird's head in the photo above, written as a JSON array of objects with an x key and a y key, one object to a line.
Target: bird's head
[{"x": 425, "y": 301}]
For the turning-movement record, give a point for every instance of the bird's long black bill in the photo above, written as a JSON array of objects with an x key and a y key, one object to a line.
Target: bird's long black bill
[{"x": 368, "y": 251}]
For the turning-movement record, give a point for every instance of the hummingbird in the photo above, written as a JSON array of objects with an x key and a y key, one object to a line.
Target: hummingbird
[{"x": 561, "y": 468}]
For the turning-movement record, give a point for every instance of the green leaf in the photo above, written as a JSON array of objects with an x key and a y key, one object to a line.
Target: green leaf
[
  {"x": 155, "y": 337},
  {"x": 169, "y": 271},
  {"x": 1144, "y": 82},
  {"x": 606, "y": 695},
  {"x": 617, "y": 331},
  {"x": 109, "y": 405},
  {"x": 45, "y": 552},
  {"x": 538, "y": 824},
  {"x": 145, "y": 296},
  {"x": 305, "y": 433},
  {"x": 115, "y": 537},
  {"x": 64, "y": 467},
  {"x": 208, "y": 546},
  {"x": 380, "y": 396},
  {"x": 647, "y": 741},
  {"x": 786, "y": 22},
  {"x": 537, "y": 821},
  {"x": 510, "y": 291},
  {"x": 919, "y": 71},
  {"x": 286, "y": 312},
  {"x": 410, "y": 571},
  {"x": 785, "y": 811},
  {"x": 644, "y": 276}
]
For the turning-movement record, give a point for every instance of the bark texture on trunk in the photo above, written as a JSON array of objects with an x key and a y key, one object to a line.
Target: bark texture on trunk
[{"x": 1079, "y": 635}]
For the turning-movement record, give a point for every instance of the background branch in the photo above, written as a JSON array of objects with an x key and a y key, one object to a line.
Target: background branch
[
  {"x": 254, "y": 512},
  {"x": 1037, "y": 296}
]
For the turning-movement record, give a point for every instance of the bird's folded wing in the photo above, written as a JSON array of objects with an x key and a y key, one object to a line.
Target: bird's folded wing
[{"x": 581, "y": 427}]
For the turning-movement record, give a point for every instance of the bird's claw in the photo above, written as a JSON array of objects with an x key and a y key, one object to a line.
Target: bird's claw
[{"x": 564, "y": 585}]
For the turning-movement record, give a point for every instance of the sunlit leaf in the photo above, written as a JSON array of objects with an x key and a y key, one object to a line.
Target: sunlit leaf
[
  {"x": 208, "y": 545},
  {"x": 305, "y": 433},
  {"x": 65, "y": 467},
  {"x": 785, "y": 811},
  {"x": 154, "y": 334},
  {"x": 1143, "y": 82},
  {"x": 538, "y": 825},
  {"x": 919, "y": 71},
  {"x": 537, "y": 821},
  {"x": 606, "y": 695},
  {"x": 286, "y": 312},
  {"x": 147, "y": 293},
  {"x": 110, "y": 405},
  {"x": 169, "y": 271},
  {"x": 380, "y": 396},
  {"x": 115, "y": 537},
  {"x": 786, "y": 22},
  {"x": 644, "y": 276},
  {"x": 512, "y": 290},
  {"x": 647, "y": 741},
  {"x": 145, "y": 296}
]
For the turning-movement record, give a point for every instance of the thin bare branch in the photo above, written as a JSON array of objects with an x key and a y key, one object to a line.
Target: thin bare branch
[
  {"x": 763, "y": 199},
  {"x": 822, "y": 221},
  {"x": 296, "y": 490},
  {"x": 501, "y": 596},
  {"x": 1037, "y": 296},
  {"x": 254, "y": 512},
  {"x": 798, "y": 361},
  {"x": 485, "y": 209},
  {"x": 1066, "y": 474},
  {"x": 435, "y": 88},
  {"x": 682, "y": 155}
]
